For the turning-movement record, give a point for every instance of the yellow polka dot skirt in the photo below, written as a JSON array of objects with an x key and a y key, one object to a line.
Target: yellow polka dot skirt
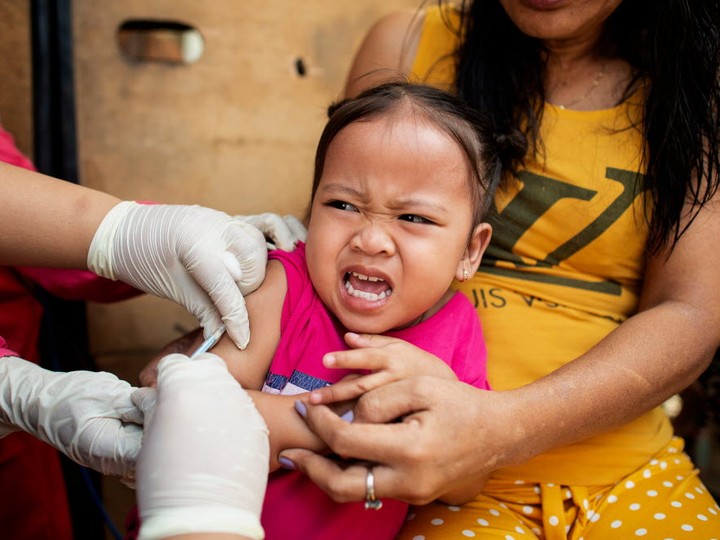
[{"x": 664, "y": 500}]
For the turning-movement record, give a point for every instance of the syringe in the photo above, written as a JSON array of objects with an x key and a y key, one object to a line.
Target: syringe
[{"x": 209, "y": 343}]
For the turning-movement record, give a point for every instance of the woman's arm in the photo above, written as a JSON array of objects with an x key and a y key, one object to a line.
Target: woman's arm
[{"x": 651, "y": 356}]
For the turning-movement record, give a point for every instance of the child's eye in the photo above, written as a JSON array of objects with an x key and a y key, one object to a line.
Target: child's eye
[
  {"x": 413, "y": 218},
  {"x": 342, "y": 205}
]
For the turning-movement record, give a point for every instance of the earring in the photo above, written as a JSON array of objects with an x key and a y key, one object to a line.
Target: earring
[{"x": 465, "y": 274}]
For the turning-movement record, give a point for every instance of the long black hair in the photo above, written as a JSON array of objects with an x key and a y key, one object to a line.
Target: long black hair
[{"x": 674, "y": 49}]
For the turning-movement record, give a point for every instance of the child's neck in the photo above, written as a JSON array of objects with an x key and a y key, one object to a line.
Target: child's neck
[{"x": 444, "y": 299}]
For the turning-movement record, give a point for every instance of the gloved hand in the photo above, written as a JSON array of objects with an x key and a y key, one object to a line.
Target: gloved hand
[
  {"x": 204, "y": 460},
  {"x": 87, "y": 415},
  {"x": 282, "y": 232},
  {"x": 195, "y": 256}
]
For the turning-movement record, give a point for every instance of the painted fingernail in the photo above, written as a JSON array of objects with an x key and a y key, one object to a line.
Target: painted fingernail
[
  {"x": 286, "y": 463},
  {"x": 348, "y": 416},
  {"x": 300, "y": 408}
]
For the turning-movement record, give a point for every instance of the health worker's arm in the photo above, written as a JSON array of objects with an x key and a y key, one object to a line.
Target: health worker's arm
[
  {"x": 201, "y": 258},
  {"x": 434, "y": 449}
]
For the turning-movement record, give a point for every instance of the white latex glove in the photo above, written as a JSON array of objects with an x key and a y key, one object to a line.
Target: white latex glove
[
  {"x": 198, "y": 257},
  {"x": 203, "y": 465},
  {"x": 87, "y": 415},
  {"x": 282, "y": 232}
]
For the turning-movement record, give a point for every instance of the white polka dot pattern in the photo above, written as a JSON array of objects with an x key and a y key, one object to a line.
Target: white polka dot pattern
[{"x": 663, "y": 500}]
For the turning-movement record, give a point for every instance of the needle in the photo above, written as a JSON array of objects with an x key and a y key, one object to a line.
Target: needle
[{"x": 209, "y": 343}]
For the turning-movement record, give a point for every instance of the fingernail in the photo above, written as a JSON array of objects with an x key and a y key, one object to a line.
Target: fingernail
[
  {"x": 348, "y": 416},
  {"x": 328, "y": 360},
  {"x": 300, "y": 408},
  {"x": 286, "y": 463}
]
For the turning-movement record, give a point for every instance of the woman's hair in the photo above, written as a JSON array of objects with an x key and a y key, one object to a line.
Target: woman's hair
[
  {"x": 673, "y": 47},
  {"x": 483, "y": 151}
]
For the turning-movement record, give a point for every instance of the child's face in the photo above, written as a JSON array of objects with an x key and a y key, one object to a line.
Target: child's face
[{"x": 390, "y": 222}]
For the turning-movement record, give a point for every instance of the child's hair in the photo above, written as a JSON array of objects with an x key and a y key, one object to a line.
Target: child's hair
[{"x": 445, "y": 111}]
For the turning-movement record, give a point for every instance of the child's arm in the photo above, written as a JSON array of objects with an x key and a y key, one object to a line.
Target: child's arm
[
  {"x": 250, "y": 366},
  {"x": 287, "y": 428},
  {"x": 385, "y": 368}
]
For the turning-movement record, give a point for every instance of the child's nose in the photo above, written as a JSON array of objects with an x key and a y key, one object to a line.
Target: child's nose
[{"x": 373, "y": 239}]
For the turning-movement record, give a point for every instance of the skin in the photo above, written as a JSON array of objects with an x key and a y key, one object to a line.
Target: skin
[
  {"x": 377, "y": 213},
  {"x": 392, "y": 202},
  {"x": 59, "y": 210},
  {"x": 653, "y": 355}
]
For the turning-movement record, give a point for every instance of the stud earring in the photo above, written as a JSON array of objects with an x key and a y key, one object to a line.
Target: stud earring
[{"x": 465, "y": 275}]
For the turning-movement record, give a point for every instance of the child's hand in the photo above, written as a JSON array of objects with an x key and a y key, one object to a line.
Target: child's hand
[
  {"x": 183, "y": 345},
  {"x": 389, "y": 360}
]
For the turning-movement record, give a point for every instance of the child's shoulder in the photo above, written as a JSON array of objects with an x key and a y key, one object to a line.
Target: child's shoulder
[{"x": 293, "y": 263}]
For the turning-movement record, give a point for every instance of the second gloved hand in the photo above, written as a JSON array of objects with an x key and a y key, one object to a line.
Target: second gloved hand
[
  {"x": 204, "y": 460},
  {"x": 87, "y": 415},
  {"x": 281, "y": 232},
  {"x": 198, "y": 257}
]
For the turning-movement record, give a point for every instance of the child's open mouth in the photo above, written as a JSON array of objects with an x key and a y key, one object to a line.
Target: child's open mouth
[{"x": 366, "y": 287}]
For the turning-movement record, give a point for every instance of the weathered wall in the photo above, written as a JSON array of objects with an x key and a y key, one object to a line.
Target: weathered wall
[
  {"x": 15, "y": 69},
  {"x": 235, "y": 131}
]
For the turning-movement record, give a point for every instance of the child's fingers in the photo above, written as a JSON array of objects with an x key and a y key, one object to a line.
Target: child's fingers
[
  {"x": 350, "y": 388},
  {"x": 359, "y": 359}
]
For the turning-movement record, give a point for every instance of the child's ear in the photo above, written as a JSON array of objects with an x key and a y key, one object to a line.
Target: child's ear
[{"x": 479, "y": 241}]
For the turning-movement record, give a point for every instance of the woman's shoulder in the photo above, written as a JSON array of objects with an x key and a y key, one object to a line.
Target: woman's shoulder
[
  {"x": 387, "y": 51},
  {"x": 418, "y": 44}
]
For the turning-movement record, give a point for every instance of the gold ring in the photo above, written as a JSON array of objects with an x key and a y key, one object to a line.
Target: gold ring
[{"x": 370, "y": 501}]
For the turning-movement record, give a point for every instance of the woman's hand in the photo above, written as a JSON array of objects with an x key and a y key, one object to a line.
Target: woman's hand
[
  {"x": 450, "y": 436},
  {"x": 388, "y": 359}
]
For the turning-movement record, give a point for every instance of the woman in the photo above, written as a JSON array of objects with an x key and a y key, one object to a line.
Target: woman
[{"x": 599, "y": 291}]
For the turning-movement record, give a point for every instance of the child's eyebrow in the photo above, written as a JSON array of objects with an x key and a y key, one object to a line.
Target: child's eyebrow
[
  {"x": 408, "y": 204},
  {"x": 418, "y": 205},
  {"x": 342, "y": 189}
]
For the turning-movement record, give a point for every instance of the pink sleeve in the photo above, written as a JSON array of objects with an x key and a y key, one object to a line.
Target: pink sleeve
[
  {"x": 4, "y": 351},
  {"x": 9, "y": 153},
  {"x": 78, "y": 284}
]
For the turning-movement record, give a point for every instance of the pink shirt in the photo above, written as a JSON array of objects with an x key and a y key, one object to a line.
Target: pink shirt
[{"x": 294, "y": 507}]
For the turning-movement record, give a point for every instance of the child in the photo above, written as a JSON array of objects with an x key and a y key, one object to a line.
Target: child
[{"x": 403, "y": 179}]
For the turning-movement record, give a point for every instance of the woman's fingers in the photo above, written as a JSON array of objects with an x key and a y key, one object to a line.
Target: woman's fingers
[
  {"x": 420, "y": 434},
  {"x": 345, "y": 481}
]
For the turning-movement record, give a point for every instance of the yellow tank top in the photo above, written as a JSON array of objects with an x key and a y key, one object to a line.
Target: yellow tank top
[{"x": 565, "y": 264}]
